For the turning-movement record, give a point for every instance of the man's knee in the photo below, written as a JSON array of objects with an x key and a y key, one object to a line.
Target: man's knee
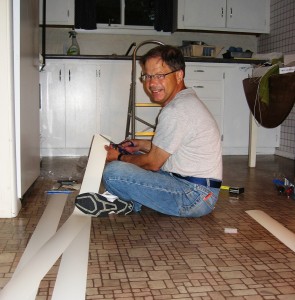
[
  {"x": 109, "y": 169},
  {"x": 116, "y": 168}
]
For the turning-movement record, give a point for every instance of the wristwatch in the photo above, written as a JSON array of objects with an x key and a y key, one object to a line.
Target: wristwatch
[{"x": 119, "y": 156}]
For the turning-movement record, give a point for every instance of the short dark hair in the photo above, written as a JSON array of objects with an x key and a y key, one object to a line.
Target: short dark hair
[{"x": 171, "y": 55}]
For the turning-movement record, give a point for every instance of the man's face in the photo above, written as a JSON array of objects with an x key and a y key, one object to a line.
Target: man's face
[{"x": 161, "y": 90}]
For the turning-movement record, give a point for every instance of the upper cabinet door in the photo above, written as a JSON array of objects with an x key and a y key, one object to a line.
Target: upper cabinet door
[
  {"x": 250, "y": 15},
  {"x": 224, "y": 15},
  {"x": 58, "y": 12},
  {"x": 201, "y": 14}
]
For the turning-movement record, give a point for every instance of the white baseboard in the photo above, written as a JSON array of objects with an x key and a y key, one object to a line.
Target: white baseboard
[
  {"x": 64, "y": 152},
  {"x": 244, "y": 151}
]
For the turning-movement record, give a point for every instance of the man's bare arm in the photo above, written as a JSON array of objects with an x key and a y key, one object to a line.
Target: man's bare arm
[{"x": 153, "y": 160}]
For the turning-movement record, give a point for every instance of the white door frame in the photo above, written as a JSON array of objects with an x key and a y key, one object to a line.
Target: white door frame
[{"x": 9, "y": 203}]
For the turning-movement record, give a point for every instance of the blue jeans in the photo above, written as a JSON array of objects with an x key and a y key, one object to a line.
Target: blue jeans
[{"x": 160, "y": 191}]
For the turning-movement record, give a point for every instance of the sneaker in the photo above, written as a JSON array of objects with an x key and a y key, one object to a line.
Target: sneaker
[
  {"x": 98, "y": 205},
  {"x": 109, "y": 196}
]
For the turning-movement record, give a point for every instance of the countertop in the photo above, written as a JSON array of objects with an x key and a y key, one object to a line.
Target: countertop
[{"x": 188, "y": 59}]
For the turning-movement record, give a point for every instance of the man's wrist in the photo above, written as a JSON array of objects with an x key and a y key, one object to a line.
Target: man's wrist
[{"x": 120, "y": 156}]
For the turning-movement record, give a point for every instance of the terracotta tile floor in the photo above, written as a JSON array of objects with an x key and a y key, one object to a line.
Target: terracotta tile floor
[{"x": 151, "y": 256}]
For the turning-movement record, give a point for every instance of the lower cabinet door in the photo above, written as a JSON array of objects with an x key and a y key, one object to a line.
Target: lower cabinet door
[
  {"x": 69, "y": 113},
  {"x": 81, "y": 105},
  {"x": 52, "y": 107}
]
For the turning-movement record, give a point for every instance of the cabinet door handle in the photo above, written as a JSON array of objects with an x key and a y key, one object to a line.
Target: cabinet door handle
[
  {"x": 69, "y": 75},
  {"x": 198, "y": 86},
  {"x": 40, "y": 96},
  {"x": 59, "y": 75},
  {"x": 200, "y": 71},
  {"x": 231, "y": 12},
  {"x": 221, "y": 12}
]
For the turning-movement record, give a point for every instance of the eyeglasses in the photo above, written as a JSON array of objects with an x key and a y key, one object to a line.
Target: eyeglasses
[{"x": 147, "y": 77}]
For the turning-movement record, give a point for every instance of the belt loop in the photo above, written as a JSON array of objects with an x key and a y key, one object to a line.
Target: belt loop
[{"x": 208, "y": 182}]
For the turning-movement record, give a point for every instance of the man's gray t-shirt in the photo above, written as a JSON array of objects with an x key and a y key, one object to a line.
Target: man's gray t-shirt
[{"x": 188, "y": 131}]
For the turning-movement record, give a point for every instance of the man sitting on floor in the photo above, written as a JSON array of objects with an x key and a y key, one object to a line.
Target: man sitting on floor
[{"x": 179, "y": 171}]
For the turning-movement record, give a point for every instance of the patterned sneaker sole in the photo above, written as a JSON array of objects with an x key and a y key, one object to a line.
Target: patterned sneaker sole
[{"x": 98, "y": 206}]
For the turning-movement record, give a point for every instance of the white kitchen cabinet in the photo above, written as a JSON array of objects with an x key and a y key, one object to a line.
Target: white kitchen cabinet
[
  {"x": 248, "y": 16},
  {"x": 220, "y": 87},
  {"x": 224, "y": 15},
  {"x": 237, "y": 113},
  {"x": 69, "y": 108},
  {"x": 81, "y": 97},
  {"x": 53, "y": 107},
  {"x": 195, "y": 14},
  {"x": 208, "y": 82},
  {"x": 58, "y": 12}
]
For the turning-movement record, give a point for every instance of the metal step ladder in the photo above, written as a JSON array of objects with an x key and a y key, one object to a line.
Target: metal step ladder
[{"x": 131, "y": 116}]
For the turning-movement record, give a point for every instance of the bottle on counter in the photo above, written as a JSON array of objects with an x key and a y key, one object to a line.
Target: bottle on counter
[{"x": 74, "y": 48}]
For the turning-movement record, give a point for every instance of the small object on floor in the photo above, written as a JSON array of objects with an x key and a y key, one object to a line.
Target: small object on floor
[
  {"x": 224, "y": 187},
  {"x": 279, "y": 185},
  {"x": 98, "y": 205},
  {"x": 56, "y": 186},
  {"x": 58, "y": 192},
  {"x": 284, "y": 187},
  {"x": 236, "y": 190},
  {"x": 66, "y": 181},
  {"x": 76, "y": 186},
  {"x": 230, "y": 230},
  {"x": 290, "y": 192},
  {"x": 233, "y": 190}
]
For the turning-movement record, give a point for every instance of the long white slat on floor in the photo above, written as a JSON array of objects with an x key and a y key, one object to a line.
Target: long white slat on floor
[
  {"x": 283, "y": 234},
  {"x": 72, "y": 275},
  {"x": 29, "y": 277},
  {"x": 45, "y": 229},
  {"x": 27, "y": 280}
]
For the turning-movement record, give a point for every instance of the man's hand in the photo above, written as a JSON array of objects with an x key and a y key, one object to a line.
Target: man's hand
[
  {"x": 136, "y": 145},
  {"x": 112, "y": 154},
  {"x": 152, "y": 160},
  {"x": 130, "y": 146}
]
